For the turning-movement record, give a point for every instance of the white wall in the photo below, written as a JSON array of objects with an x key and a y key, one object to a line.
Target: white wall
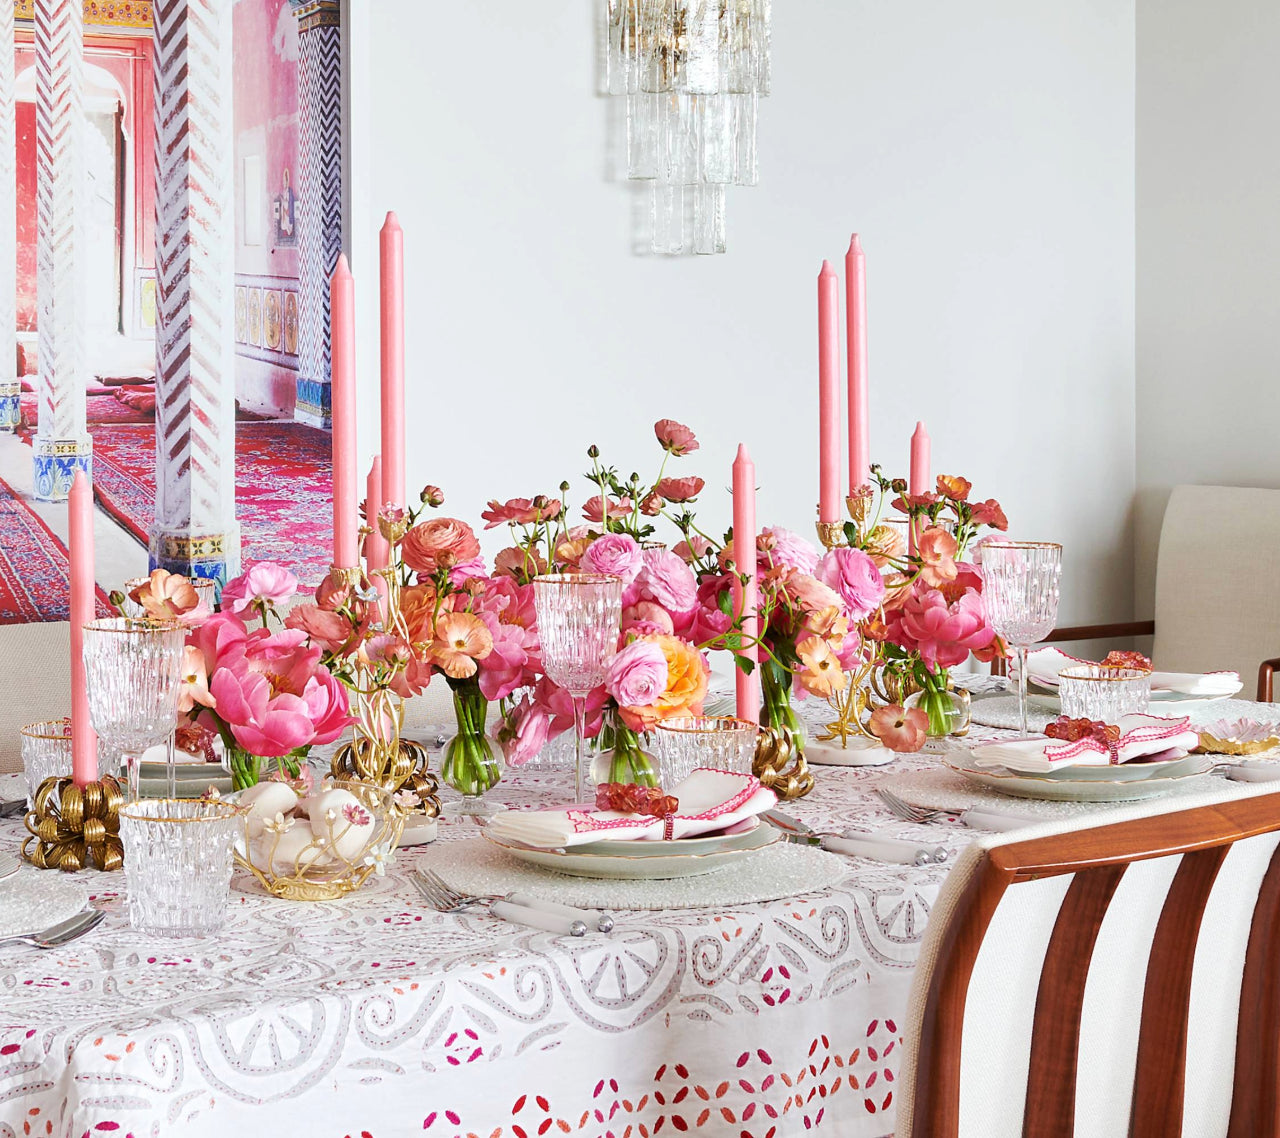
[
  {"x": 1208, "y": 286},
  {"x": 984, "y": 151}
]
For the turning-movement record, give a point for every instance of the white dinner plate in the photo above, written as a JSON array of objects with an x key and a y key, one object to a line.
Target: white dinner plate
[
  {"x": 8, "y": 865},
  {"x": 1058, "y": 787},
  {"x": 645, "y": 860}
]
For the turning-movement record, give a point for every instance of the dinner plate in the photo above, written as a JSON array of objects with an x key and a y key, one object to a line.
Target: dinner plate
[
  {"x": 645, "y": 860},
  {"x": 1060, "y": 788},
  {"x": 8, "y": 865}
]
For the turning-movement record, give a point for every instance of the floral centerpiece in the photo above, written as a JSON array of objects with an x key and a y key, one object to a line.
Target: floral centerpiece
[{"x": 660, "y": 670}]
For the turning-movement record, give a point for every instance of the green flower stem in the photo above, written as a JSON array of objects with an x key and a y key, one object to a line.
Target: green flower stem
[
  {"x": 469, "y": 765},
  {"x": 628, "y": 761},
  {"x": 775, "y": 688},
  {"x": 935, "y": 701}
]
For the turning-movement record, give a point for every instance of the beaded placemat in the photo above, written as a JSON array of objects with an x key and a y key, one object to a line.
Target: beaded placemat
[
  {"x": 473, "y": 865},
  {"x": 32, "y": 900}
]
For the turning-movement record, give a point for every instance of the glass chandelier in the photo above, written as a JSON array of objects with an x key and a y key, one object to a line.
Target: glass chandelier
[{"x": 692, "y": 72}]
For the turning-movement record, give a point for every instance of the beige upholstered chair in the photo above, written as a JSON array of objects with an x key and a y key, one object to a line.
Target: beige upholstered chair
[
  {"x": 1217, "y": 604},
  {"x": 1104, "y": 981},
  {"x": 36, "y": 682}
]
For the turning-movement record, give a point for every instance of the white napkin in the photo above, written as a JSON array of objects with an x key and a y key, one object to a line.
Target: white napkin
[
  {"x": 1044, "y": 664},
  {"x": 709, "y": 800},
  {"x": 1139, "y": 735}
]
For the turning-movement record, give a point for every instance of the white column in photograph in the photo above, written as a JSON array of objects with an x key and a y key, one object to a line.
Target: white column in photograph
[
  {"x": 320, "y": 198},
  {"x": 195, "y": 529},
  {"x": 62, "y": 442},
  {"x": 9, "y": 380}
]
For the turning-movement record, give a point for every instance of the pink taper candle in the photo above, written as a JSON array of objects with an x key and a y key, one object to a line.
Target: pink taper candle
[
  {"x": 376, "y": 549},
  {"x": 392, "y": 242},
  {"x": 919, "y": 482},
  {"x": 828, "y": 394},
  {"x": 855, "y": 297},
  {"x": 342, "y": 299},
  {"x": 84, "y": 744},
  {"x": 744, "y": 556}
]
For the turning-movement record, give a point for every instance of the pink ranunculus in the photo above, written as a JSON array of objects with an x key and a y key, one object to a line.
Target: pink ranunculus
[
  {"x": 944, "y": 634},
  {"x": 525, "y": 732},
  {"x": 675, "y": 438},
  {"x": 664, "y": 577},
  {"x": 330, "y": 630},
  {"x": 521, "y": 511},
  {"x": 440, "y": 543},
  {"x": 651, "y": 615},
  {"x": 617, "y": 554},
  {"x": 467, "y": 571},
  {"x": 780, "y": 547},
  {"x": 680, "y": 489},
  {"x": 264, "y": 582},
  {"x": 852, "y": 574},
  {"x": 637, "y": 674},
  {"x": 593, "y": 508},
  {"x": 275, "y": 696}
]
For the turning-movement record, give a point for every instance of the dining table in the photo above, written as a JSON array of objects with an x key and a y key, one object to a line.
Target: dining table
[{"x": 374, "y": 1015}]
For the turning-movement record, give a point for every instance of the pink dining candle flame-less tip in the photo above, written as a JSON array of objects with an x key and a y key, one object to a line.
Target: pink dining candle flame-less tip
[
  {"x": 84, "y": 743},
  {"x": 828, "y": 394},
  {"x": 919, "y": 481},
  {"x": 342, "y": 299},
  {"x": 746, "y": 602},
  {"x": 855, "y": 283},
  {"x": 392, "y": 308}
]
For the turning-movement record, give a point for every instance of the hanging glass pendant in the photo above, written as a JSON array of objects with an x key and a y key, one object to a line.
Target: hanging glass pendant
[{"x": 692, "y": 72}]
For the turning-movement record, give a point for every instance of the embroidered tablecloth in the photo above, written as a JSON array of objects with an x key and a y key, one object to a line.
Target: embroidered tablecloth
[{"x": 376, "y": 1016}]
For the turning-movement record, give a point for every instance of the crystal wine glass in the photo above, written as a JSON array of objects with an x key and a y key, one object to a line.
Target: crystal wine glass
[
  {"x": 578, "y": 621},
  {"x": 133, "y": 672},
  {"x": 1020, "y": 586}
]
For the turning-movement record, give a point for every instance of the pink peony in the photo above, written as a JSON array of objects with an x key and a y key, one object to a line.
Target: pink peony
[
  {"x": 617, "y": 554},
  {"x": 524, "y": 732},
  {"x": 559, "y": 705},
  {"x": 711, "y": 622},
  {"x": 637, "y": 675},
  {"x": 853, "y": 575},
  {"x": 665, "y": 578},
  {"x": 780, "y": 547},
  {"x": 680, "y": 489},
  {"x": 675, "y": 438},
  {"x": 512, "y": 663},
  {"x": 944, "y": 634},
  {"x": 275, "y": 696},
  {"x": 467, "y": 571},
  {"x": 266, "y": 583}
]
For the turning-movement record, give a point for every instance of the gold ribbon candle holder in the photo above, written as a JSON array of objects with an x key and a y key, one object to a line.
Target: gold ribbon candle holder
[
  {"x": 780, "y": 765},
  {"x": 72, "y": 827}
]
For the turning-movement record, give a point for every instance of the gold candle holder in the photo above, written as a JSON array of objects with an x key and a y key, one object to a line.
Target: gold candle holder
[
  {"x": 780, "y": 765},
  {"x": 366, "y": 760},
  {"x": 72, "y": 827}
]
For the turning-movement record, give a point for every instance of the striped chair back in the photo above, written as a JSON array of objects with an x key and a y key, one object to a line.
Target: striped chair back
[{"x": 1096, "y": 981}]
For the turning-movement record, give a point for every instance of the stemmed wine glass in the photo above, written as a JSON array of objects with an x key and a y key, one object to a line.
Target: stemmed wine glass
[
  {"x": 1020, "y": 586},
  {"x": 133, "y": 673},
  {"x": 579, "y": 615}
]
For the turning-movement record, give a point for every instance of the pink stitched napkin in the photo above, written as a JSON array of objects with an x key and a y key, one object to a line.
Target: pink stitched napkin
[
  {"x": 1141, "y": 736},
  {"x": 709, "y": 800},
  {"x": 1044, "y": 664}
]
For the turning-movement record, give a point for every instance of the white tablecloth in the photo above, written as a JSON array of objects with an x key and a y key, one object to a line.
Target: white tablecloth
[{"x": 375, "y": 1015}]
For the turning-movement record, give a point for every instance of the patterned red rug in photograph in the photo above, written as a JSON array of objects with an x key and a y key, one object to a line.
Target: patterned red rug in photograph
[
  {"x": 101, "y": 408},
  {"x": 34, "y": 570},
  {"x": 284, "y": 489}
]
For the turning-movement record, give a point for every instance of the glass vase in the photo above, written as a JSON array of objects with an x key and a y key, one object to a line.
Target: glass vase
[
  {"x": 947, "y": 708},
  {"x": 776, "y": 713},
  {"x": 249, "y": 770},
  {"x": 469, "y": 764},
  {"x": 622, "y": 755}
]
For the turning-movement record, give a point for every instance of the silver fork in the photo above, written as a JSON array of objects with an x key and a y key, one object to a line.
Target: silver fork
[
  {"x": 61, "y": 933},
  {"x": 906, "y": 811},
  {"x": 603, "y": 922},
  {"x": 445, "y": 900}
]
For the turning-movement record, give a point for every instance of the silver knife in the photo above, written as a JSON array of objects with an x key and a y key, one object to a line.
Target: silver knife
[
  {"x": 13, "y": 806},
  {"x": 793, "y": 830}
]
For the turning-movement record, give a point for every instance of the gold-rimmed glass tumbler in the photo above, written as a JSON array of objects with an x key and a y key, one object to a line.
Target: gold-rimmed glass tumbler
[
  {"x": 1020, "y": 582},
  {"x": 133, "y": 672},
  {"x": 579, "y": 615}
]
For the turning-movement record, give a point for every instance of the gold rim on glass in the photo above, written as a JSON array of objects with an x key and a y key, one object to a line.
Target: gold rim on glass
[
  {"x": 43, "y": 729},
  {"x": 219, "y": 811},
  {"x": 698, "y": 724},
  {"x": 1021, "y": 545},
  {"x": 132, "y": 625},
  {"x": 1116, "y": 673},
  {"x": 577, "y": 579}
]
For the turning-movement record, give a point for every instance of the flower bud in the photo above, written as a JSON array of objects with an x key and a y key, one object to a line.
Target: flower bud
[
  {"x": 540, "y": 502},
  {"x": 564, "y": 486},
  {"x": 432, "y": 496},
  {"x": 593, "y": 451}
]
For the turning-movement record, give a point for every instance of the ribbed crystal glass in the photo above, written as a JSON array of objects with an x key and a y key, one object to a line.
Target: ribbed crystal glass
[
  {"x": 177, "y": 864},
  {"x": 720, "y": 742},
  {"x": 46, "y": 753},
  {"x": 1020, "y": 589},
  {"x": 578, "y": 619},
  {"x": 133, "y": 671},
  {"x": 1096, "y": 691}
]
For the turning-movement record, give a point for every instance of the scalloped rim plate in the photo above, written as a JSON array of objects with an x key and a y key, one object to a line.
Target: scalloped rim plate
[{"x": 1085, "y": 790}]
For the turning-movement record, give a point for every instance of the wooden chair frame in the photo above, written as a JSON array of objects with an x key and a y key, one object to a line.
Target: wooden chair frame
[
  {"x": 1098, "y": 857},
  {"x": 1266, "y": 671}
]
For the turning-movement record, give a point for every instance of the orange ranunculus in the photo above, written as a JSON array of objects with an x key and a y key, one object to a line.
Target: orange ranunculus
[
  {"x": 417, "y": 606},
  {"x": 440, "y": 543},
  {"x": 462, "y": 638},
  {"x": 954, "y": 487},
  {"x": 569, "y": 552},
  {"x": 687, "y": 674},
  {"x": 829, "y": 623},
  {"x": 168, "y": 596},
  {"x": 937, "y": 551},
  {"x": 517, "y": 563},
  {"x": 821, "y": 675}
]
